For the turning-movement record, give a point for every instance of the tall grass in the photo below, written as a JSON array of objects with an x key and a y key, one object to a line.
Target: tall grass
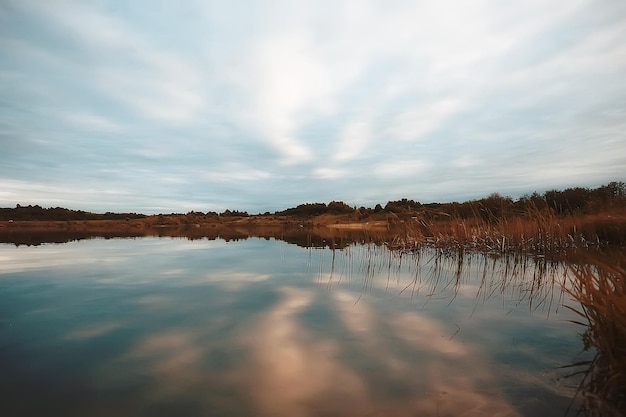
[
  {"x": 534, "y": 232},
  {"x": 600, "y": 287}
]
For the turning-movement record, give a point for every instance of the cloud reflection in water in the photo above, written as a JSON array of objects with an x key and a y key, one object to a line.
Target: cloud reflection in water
[{"x": 205, "y": 329}]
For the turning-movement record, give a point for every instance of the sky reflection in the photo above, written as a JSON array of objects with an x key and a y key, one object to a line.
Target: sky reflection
[{"x": 153, "y": 326}]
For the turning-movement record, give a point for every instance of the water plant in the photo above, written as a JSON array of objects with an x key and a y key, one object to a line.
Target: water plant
[
  {"x": 600, "y": 286},
  {"x": 535, "y": 232}
]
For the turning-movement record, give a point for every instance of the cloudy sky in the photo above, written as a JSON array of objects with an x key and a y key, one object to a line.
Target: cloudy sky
[{"x": 161, "y": 106}]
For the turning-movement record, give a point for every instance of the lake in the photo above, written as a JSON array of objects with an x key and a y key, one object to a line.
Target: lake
[{"x": 260, "y": 327}]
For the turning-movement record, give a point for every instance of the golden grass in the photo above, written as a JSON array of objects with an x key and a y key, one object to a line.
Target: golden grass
[
  {"x": 534, "y": 232},
  {"x": 600, "y": 286}
]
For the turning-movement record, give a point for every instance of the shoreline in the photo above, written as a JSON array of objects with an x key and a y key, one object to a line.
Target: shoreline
[{"x": 533, "y": 233}]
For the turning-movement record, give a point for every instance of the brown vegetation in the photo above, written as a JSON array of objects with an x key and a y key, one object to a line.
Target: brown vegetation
[
  {"x": 599, "y": 284},
  {"x": 545, "y": 225}
]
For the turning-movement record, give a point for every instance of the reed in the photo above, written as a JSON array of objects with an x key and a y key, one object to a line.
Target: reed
[
  {"x": 600, "y": 286},
  {"x": 533, "y": 232}
]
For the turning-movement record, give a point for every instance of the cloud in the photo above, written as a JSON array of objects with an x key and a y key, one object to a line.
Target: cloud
[
  {"x": 329, "y": 173},
  {"x": 234, "y": 172},
  {"x": 418, "y": 121},
  {"x": 466, "y": 161},
  {"x": 93, "y": 122},
  {"x": 353, "y": 139},
  {"x": 210, "y": 100},
  {"x": 288, "y": 81},
  {"x": 119, "y": 62},
  {"x": 401, "y": 168}
]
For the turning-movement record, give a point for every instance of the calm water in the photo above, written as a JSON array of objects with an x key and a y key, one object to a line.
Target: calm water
[{"x": 149, "y": 327}]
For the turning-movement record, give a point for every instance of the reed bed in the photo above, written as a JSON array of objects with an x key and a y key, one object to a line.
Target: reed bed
[
  {"x": 600, "y": 287},
  {"x": 536, "y": 233}
]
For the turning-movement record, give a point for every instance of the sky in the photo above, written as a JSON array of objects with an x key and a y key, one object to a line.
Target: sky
[{"x": 172, "y": 106}]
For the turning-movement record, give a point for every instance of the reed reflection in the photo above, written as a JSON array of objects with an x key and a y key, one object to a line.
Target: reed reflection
[{"x": 433, "y": 274}]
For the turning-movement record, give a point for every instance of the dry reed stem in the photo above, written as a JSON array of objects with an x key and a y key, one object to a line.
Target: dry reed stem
[
  {"x": 538, "y": 233},
  {"x": 600, "y": 287}
]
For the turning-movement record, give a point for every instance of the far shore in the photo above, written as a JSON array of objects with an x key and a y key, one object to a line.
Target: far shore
[
  {"x": 333, "y": 231},
  {"x": 532, "y": 223},
  {"x": 380, "y": 222},
  {"x": 537, "y": 232}
]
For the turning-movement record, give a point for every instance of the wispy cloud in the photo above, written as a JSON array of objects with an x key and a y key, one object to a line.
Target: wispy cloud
[
  {"x": 418, "y": 121},
  {"x": 353, "y": 139},
  {"x": 214, "y": 104},
  {"x": 329, "y": 173},
  {"x": 235, "y": 173},
  {"x": 92, "y": 122},
  {"x": 400, "y": 168}
]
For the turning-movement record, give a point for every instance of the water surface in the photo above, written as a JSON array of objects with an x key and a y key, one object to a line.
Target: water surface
[{"x": 259, "y": 327}]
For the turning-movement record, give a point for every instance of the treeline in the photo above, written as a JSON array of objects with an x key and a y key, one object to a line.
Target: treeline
[
  {"x": 37, "y": 212},
  {"x": 493, "y": 207},
  {"x": 316, "y": 209},
  {"x": 578, "y": 200}
]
